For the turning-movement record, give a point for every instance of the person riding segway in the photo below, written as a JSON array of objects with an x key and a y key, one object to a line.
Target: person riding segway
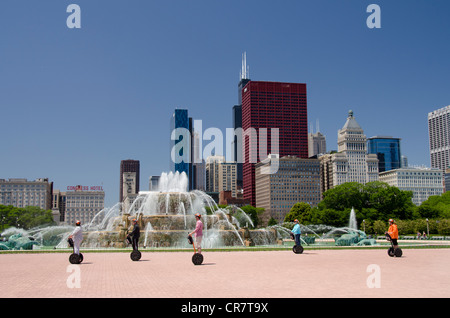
[
  {"x": 392, "y": 236},
  {"x": 74, "y": 241},
  {"x": 133, "y": 239},
  {"x": 197, "y": 258},
  {"x": 295, "y": 235}
]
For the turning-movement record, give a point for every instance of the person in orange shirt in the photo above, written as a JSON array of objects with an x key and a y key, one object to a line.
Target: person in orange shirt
[{"x": 393, "y": 233}]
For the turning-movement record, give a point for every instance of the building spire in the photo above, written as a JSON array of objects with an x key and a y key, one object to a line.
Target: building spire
[{"x": 245, "y": 70}]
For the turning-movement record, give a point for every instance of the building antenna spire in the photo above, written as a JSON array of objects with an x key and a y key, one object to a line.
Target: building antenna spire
[{"x": 245, "y": 70}]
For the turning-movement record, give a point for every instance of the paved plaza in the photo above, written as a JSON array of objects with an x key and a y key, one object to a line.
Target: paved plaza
[{"x": 264, "y": 274}]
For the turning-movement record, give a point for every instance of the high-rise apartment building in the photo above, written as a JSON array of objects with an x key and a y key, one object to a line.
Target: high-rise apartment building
[
  {"x": 21, "y": 193},
  {"x": 212, "y": 173},
  {"x": 439, "y": 137},
  {"x": 129, "y": 178},
  {"x": 387, "y": 149},
  {"x": 221, "y": 175},
  {"x": 296, "y": 180},
  {"x": 269, "y": 107},
  {"x": 228, "y": 177}
]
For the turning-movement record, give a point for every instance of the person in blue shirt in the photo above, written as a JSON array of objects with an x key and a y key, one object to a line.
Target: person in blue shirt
[{"x": 296, "y": 231}]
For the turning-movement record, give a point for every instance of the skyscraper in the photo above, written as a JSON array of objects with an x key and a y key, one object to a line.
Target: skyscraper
[
  {"x": 317, "y": 144},
  {"x": 183, "y": 145},
  {"x": 129, "y": 169},
  {"x": 237, "y": 116},
  {"x": 271, "y": 106},
  {"x": 387, "y": 149},
  {"x": 351, "y": 163},
  {"x": 439, "y": 136}
]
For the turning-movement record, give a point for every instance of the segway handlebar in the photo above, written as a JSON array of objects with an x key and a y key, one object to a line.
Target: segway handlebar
[{"x": 388, "y": 237}]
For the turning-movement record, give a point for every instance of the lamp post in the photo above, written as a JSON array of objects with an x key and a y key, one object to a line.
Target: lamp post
[
  {"x": 364, "y": 224},
  {"x": 428, "y": 229}
]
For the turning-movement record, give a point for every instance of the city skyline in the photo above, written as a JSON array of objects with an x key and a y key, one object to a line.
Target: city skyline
[{"x": 76, "y": 102}]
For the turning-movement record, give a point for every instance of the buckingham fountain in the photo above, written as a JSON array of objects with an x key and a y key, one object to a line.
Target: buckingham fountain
[{"x": 167, "y": 216}]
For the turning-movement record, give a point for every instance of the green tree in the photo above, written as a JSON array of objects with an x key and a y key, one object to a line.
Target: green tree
[
  {"x": 25, "y": 218},
  {"x": 272, "y": 221},
  {"x": 379, "y": 227},
  {"x": 300, "y": 211},
  {"x": 436, "y": 206},
  {"x": 374, "y": 200},
  {"x": 343, "y": 197}
]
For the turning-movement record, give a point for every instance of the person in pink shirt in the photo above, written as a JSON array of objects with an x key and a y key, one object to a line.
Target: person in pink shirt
[{"x": 198, "y": 233}]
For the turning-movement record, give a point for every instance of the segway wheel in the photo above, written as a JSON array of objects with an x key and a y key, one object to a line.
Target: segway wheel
[
  {"x": 298, "y": 249},
  {"x": 74, "y": 258},
  {"x": 80, "y": 259},
  {"x": 398, "y": 252},
  {"x": 391, "y": 252},
  {"x": 197, "y": 259},
  {"x": 135, "y": 256}
]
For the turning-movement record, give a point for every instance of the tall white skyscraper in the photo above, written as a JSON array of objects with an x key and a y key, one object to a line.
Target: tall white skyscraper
[{"x": 439, "y": 136}]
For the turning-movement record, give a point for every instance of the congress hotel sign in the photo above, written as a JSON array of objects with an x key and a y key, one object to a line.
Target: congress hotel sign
[{"x": 84, "y": 188}]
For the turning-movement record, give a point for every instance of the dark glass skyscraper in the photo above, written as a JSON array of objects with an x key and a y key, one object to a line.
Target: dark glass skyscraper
[
  {"x": 180, "y": 119},
  {"x": 237, "y": 118},
  {"x": 387, "y": 150},
  {"x": 237, "y": 123}
]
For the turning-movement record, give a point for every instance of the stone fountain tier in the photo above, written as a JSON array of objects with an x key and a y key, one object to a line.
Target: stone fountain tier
[
  {"x": 172, "y": 231},
  {"x": 178, "y": 238}
]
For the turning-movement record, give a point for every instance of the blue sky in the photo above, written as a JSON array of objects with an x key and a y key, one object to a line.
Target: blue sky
[{"x": 75, "y": 102}]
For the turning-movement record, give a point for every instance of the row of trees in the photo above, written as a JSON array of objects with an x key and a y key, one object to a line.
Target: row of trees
[
  {"x": 26, "y": 218},
  {"x": 375, "y": 203}
]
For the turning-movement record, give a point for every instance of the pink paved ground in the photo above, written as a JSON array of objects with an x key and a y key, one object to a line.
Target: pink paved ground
[{"x": 271, "y": 274}]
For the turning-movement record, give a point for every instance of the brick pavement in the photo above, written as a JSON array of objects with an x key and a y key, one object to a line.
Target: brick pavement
[{"x": 240, "y": 274}]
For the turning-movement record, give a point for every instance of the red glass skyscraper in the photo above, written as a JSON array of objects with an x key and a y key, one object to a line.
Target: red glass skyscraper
[{"x": 273, "y": 105}]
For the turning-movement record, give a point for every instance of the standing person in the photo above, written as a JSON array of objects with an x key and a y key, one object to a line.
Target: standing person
[
  {"x": 198, "y": 233},
  {"x": 77, "y": 237},
  {"x": 393, "y": 233},
  {"x": 297, "y": 232},
  {"x": 135, "y": 234}
]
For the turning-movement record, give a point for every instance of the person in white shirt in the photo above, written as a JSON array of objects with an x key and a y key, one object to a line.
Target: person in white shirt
[{"x": 77, "y": 237}]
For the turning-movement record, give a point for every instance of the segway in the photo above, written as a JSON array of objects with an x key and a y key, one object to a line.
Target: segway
[
  {"x": 74, "y": 258},
  {"x": 135, "y": 254},
  {"x": 392, "y": 251},
  {"x": 197, "y": 258},
  {"x": 297, "y": 249}
]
